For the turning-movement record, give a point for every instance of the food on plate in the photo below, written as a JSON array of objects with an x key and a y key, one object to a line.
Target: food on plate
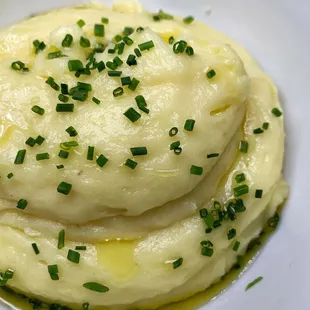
[{"x": 139, "y": 155}]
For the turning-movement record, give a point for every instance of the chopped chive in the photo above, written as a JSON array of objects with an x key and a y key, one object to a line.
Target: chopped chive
[
  {"x": 104, "y": 20},
  {"x": 118, "y": 91},
  {"x": 241, "y": 190},
  {"x": 203, "y": 212},
  {"x": 51, "y": 82},
  {"x": 196, "y": 170},
  {"x": 141, "y": 103},
  {"x": 236, "y": 246},
  {"x": 63, "y": 154},
  {"x": 64, "y": 89},
  {"x": 85, "y": 306},
  {"x": 100, "y": 66},
  {"x": 171, "y": 40},
  {"x": 38, "y": 110},
  {"x": 117, "y": 61},
  {"x": 276, "y": 112},
  {"x": 111, "y": 65},
  {"x": 120, "y": 48},
  {"x": 128, "y": 31},
  {"x": 115, "y": 73},
  {"x": 99, "y": 30},
  {"x": 39, "y": 46},
  {"x": 19, "y": 66},
  {"x": 240, "y": 178},
  {"x": 131, "y": 164},
  {"x": 211, "y": 74},
  {"x": 84, "y": 42},
  {"x": 10, "y": 175},
  {"x": 207, "y": 251},
  {"x": 64, "y": 107},
  {"x": 96, "y": 287},
  {"x": 131, "y": 60},
  {"x": 42, "y": 156},
  {"x": 73, "y": 256},
  {"x": 213, "y": 155},
  {"x": 85, "y": 86},
  {"x": 97, "y": 101},
  {"x": 61, "y": 239},
  {"x": 127, "y": 41},
  {"x": 146, "y": 45},
  {"x": 137, "y": 52},
  {"x": 208, "y": 230},
  {"x": 175, "y": 145},
  {"x": 206, "y": 244},
  {"x": 63, "y": 98},
  {"x": 188, "y": 20},
  {"x": 231, "y": 233},
  {"x": 35, "y": 248},
  {"x": 243, "y": 146},
  {"x": 173, "y": 131},
  {"x": 138, "y": 151},
  {"x": 64, "y": 188},
  {"x": 111, "y": 51},
  {"x": 22, "y": 204},
  {"x": 132, "y": 115},
  {"x": 53, "y": 269},
  {"x": 258, "y": 131},
  {"x": 189, "y": 51},
  {"x": 68, "y": 145},
  {"x": 67, "y": 41},
  {"x": 140, "y": 29},
  {"x": 118, "y": 38},
  {"x": 72, "y": 131},
  {"x": 126, "y": 80},
  {"x": 189, "y": 125},
  {"x": 54, "y": 55},
  {"x": 90, "y": 153},
  {"x": 80, "y": 248},
  {"x": 177, "y": 263},
  {"x": 177, "y": 150},
  {"x": 250, "y": 285},
  {"x": 75, "y": 65},
  {"x": 81, "y": 23},
  {"x": 60, "y": 167},
  {"x": 179, "y": 47},
  {"x": 101, "y": 160},
  {"x": 99, "y": 48},
  {"x": 216, "y": 224},
  {"x": 30, "y": 141},
  {"x": 162, "y": 15},
  {"x": 134, "y": 84},
  {"x": 265, "y": 126},
  {"x": 259, "y": 193},
  {"x": 39, "y": 140},
  {"x": 20, "y": 157}
]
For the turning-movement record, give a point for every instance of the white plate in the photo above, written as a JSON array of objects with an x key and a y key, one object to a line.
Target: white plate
[{"x": 277, "y": 34}]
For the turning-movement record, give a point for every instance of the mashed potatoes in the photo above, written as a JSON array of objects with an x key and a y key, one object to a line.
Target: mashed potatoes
[{"x": 139, "y": 155}]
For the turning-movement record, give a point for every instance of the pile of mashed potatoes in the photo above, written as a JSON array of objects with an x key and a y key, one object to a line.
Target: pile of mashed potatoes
[{"x": 139, "y": 155}]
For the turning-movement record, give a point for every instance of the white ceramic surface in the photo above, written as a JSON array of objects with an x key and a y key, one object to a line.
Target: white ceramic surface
[{"x": 277, "y": 34}]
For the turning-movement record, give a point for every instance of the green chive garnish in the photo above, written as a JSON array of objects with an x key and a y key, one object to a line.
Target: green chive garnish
[
  {"x": 22, "y": 204},
  {"x": 75, "y": 65},
  {"x": 80, "y": 248},
  {"x": 81, "y": 23},
  {"x": 265, "y": 126},
  {"x": 20, "y": 157},
  {"x": 30, "y": 141},
  {"x": 250, "y": 285},
  {"x": 146, "y": 45},
  {"x": 61, "y": 239},
  {"x": 104, "y": 20},
  {"x": 173, "y": 131},
  {"x": 196, "y": 170},
  {"x": 64, "y": 89},
  {"x": 179, "y": 47},
  {"x": 60, "y": 166},
  {"x": 99, "y": 30},
  {"x": 259, "y": 193},
  {"x": 189, "y": 125},
  {"x": 64, "y": 188},
  {"x": 100, "y": 66},
  {"x": 63, "y": 154},
  {"x": 117, "y": 61},
  {"x": 131, "y": 60},
  {"x": 131, "y": 164},
  {"x": 72, "y": 131},
  {"x": 101, "y": 160},
  {"x": 96, "y": 287},
  {"x": 128, "y": 31},
  {"x": 177, "y": 263},
  {"x": 35, "y": 248},
  {"x": 120, "y": 48},
  {"x": 211, "y": 74},
  {"x": 51, "y": 82},
  {"x": 39, "y": 46},
  {"x": 67, "y": 41},
  {"x": 188, "y": 20},
  {"x": 115, "y": 73},
  {"x": 39, "y": 140},
  {"x": 84, "y": 42},
  {"x": 240, "y": 178},
  {"x": 38, "y": 110},
  {"x": 132, "y": 115},
  {"x": 137, "y": 52},
  {"x": 10, "y": 175},
  {"x": 140, "y": 29},
  {"x": 53, "y": 271},
  {"x": 236, "y": 246},
  {"x": 85, "y": 306},
  {"x": 203, "y": 212},
  {"x": 207, "y": 251},
  {"x": 19, "y": 66},
  {"x": 258, "y": 131},
  {"x": 213, "y": 155},
  {"x": 65, "y": 107},
  {"x": 134, "y": 84},
  {"x": 141, "y": 103},
  {"x": 90, "y": 153},
  {"x": 73, "y": 256},
  {"x": 189, "y": 51},
  {"x": 137, "y": 151},
  {"x": 241, "y": 190},
  {"x": 118, "y": 91},
  {"x": 243, "y": 146},
  {"x": 111, "y": 51},
  {"x": 231, "y": 233},
  {"x": 42, "y": 156},
  {"x": 127, "y": 41},
  {"x": 175, "y": 145},
  {"x": 276, "y": 112},
  {"x": 177, "y": 150},
  {"x": 171, "y": 40},
  {"x": 63, "y": 98},
  {"x": 54, "y": 55}
]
